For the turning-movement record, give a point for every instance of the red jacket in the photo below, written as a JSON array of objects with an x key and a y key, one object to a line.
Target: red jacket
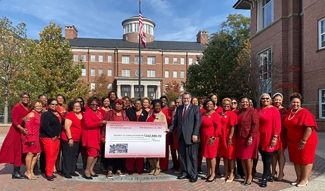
[
  {"x": 248, "y": 125},
  {"x": 168, "y": 114},
  {"x": 91, "y": 127}
]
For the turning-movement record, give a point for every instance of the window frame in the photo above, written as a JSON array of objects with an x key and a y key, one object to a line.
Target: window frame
[
  {"x": 83, "y": 72},
  {"x": 109, "y": 58},
  {"x": 125, "y": 59},
  {"x": 175, "y": 72},
  {"x": 167, "y": 72},
  {"x": 127, "y": 74},
  {"x": 100, "y": 58},
  {"x": 151, "y": 73},
  {"x": 93, "y": 58},
  {"x": 151, "y": 60},
  {"x": 76, "y": 58},
  {"x": 320, "y": 34},
  {"x": 100, "y": 71},
  {"x": 110, "y": 72},
  {"x": 320, "y": 103},
  {"x": 92, "y": 72},
  {"x": 166, "y": 59}
]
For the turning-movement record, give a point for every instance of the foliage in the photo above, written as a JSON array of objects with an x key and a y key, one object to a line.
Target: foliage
[
  {"x": 224, "y": 67},
  {"x": 173, "y": 90},
  {"x": 49, "y": 67},
  {"x": 101, "y": 86}
]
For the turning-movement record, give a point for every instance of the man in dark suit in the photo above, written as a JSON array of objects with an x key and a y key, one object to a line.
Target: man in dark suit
[{"x": 188, "y": 120}]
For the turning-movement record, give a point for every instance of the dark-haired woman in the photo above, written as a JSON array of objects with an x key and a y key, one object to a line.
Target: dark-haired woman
[
  {"x": 51, "y": 127},
  {"x": 302, "y": 139},
  {"x": 93, "y": 121},
  {"x": 11, "y": 150},
  {"x": 247, "y": 138},
  {"x": 70, "y": 139},
  {"x": 112, "y": 97}
]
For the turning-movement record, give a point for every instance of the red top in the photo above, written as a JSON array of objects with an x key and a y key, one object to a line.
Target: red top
[
  {"x": 91, "y": 127},
  {"x": 270, "y": 125},
  {"x": 151, "y": 118},
  {"x": 138, "y": 116},
  {"x": 33, "y": 128},
  {"x": 75, "y": 128},
  {"x": 228, "y": 120},
  {"x": 202, "y": 110},
  {"x": 62, "y": 111},
  {"x": 168, "y": 114},
  {"x": 236, "y": 111},
  {"x": 219, "y": 110},
  {"x": 102, "y": 111}
]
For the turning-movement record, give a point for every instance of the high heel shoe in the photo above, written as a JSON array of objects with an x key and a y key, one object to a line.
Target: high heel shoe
[
  {"x": 214, "y": 178},
  {"x": 230, "y": 179},
  {"x": 263, "y": 182},
  {"x": 248, "y": 184},
  {"x": 205, "y": 177},
  {"x": 30, "y": 178},
  {"x": 243, "y": 182},
  {"x": 302, "y": 185},
  {"x": 87, "y": 177},
  {"x": 279, "y": 179}
]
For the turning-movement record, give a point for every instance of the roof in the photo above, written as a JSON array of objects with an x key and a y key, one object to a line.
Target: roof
[
  {"x": 243, "y": 4},
  {"x": 120, "y": 44}
]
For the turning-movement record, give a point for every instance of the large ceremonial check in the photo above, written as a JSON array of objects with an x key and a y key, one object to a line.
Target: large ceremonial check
[{"x": 135, "y": 139}]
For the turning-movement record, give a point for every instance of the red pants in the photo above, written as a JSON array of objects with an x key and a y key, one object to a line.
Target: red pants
[
  {"x": 138, "y": 163},
  {"x": 51, "y": 150},
  {"x": 163, "y": 162}
]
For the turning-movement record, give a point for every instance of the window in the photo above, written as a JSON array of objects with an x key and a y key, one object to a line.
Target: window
[
  {"x": 126, "y": 73},
  {"x": 83, "y": 72},
  {"x": 109, "y": 86},
  {"x": 166, "y": 60},
  {"x": 109, "y": 73},
  {"x": 265, "y": 61},
  {"x": 182, "y": 61},
  {"x": 182, "y": 74},
  {"x": 151, "y": 60},
  {"x": 166, "y": 86},
  {"x": 136, "y": 60},
  {"x": 100, "y": 72},
  {"x": 84, "y": 58},
  {"x": 321, "y": 37},
  {"x": 266, "y": 13},
  {"x": 100, "y": 58},
  {"x": 174, "y": 74},
  {"x": 92, "y": 86},
  {"x": 92, "y": 58},
  {"x": 75, "y": 58},
  {"x": 175, "y": 60},
  {"x": 166, "y": 74},
  {"x": 125, "y": 59},
  {"x": 151, "y": 73},
  {"x": 322, "y": 103},
  {"x": 109, "y": 58},
  {"x": 92, "y": 72},
  {"x": 190, "y": 61}
]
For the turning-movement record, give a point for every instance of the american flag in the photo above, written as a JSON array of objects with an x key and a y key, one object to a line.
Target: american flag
[{"x": 141, "y": 32}]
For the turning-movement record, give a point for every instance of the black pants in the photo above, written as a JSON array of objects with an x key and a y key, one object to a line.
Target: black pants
[
  {"x": 240, "y": 170},
  {"x": 112, "y": 163},
  {"x": 267, "y": 160},
  {"x": 188, "y": 157},
  {"x": 69, "y": 156},
  {"x": 42, "y": 161}
]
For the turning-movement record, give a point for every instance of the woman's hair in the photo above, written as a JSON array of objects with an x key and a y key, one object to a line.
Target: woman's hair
[
  {"x": 245, "y": 96},
  {"x": 213, "y": 94},
  {"x": 138, "y": 99},
  {"x": 61, "y": 96},
  {"x": 126, "y": 97},
  {"x": 91, "y": 99},
  {"x": 232, "y": 98},
  {"x": 119, "y": 101},
  {"x": 226, "y": 99},
  {"x": 164, "y": 97},
  {"x": 71, "y": 105},
  {"x": 114, "y": 92},
  {"x": 277, "y": 94},
  {"x": 295, "y": 95},
  {"x": 83, "y": 101},
  {"x": 103, "y": 99},
  {"x": 34, "y": 102},
  {"x": 41, "y": 95},
  {"x": 24, "y": 93},
  {"x": 268, "y": 95},
  {"x": 155, "y": 101},
  {"x": 49, "y": 101},
  {"x": 208, "y": 100},
  {"x": 196, "y": 99}
]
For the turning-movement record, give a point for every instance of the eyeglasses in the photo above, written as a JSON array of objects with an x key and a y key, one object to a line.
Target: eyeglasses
[
  {"x": 54, "y": 104},
  {"x": 265, "y": 98},
  {"x": 233, "y": 102},
  {"x": 226, "y": 105}
]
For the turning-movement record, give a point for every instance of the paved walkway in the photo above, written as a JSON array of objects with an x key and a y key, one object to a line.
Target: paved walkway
[{"x": 165, "y": 181}]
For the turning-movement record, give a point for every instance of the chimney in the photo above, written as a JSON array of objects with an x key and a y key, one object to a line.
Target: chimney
[
  {"x": 202, "y": 37},
  {"x": 70, "y": 32}
]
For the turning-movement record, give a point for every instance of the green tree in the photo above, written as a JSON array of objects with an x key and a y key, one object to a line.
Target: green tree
[
  {"x": 50, "y": 68},
  {"x": 12, "y": 47},
  {"x": 224, "y": 67}
]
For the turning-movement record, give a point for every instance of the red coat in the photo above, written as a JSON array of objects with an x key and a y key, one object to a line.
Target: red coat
[
  {"x": 168, "y": 114},
  {"x": 91, "y": 127},
  {"x": 249, "y": 124},
  {"x": 11, "y": 150}
]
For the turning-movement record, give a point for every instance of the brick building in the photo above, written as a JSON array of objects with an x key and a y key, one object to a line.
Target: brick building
[
  {"x": 285, "y": 35},
  {"x": 118, "y": 59}
]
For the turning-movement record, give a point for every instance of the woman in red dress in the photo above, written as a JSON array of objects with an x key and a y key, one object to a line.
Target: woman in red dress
[
  {"x": 116, "y": 114},
  {"x": 31, "y": 142},
  {"x": 247, "y": 138},
  {"x": 210, "y": 134},
  {"x": 227, "y": 143},
  {"x": 11, "y": 150},
  {"x": 234, "y": 105},
  {"x": 93, "y": 121},
  {"x": 105, "y": 105},
  {"x": 270, "y": 128},
  {"x": 70, "y": 139},
  {"x": 302, "y": 139},
  {"x": 278, "y": 155}
]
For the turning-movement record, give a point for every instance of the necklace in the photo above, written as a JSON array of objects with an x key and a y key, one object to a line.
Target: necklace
[
  {"x": 292, "y": 114},
  {"x": 223, "y": 113},
  {"x": 209, "y": 113}
]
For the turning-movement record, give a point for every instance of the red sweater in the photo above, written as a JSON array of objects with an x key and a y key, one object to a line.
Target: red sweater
[{"x": 91, "y": 127}]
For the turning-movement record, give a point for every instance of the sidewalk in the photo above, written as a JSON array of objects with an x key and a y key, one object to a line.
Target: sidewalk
[{"x": 165, "y": 181}]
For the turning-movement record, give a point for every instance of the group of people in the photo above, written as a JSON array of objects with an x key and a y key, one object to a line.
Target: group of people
[{"x": 234, "y": 131}]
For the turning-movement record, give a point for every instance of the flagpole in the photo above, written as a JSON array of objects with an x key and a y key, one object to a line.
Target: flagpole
[{"x": 139, "y": 62}]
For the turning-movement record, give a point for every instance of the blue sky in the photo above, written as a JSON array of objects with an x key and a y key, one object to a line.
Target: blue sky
[{"x": 175, "y": 19}]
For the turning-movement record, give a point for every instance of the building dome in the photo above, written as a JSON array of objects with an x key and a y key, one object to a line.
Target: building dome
[{"x": 131, "y": 29}]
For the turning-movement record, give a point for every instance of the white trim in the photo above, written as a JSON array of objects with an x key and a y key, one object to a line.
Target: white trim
[
  {"x": 320, "y": 35},
  {"x": 320, "y": 103}
]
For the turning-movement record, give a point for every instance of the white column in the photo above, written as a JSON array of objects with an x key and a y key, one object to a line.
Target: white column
[
  {"x": 145, "y": 90},
  {"x": 118, "y": 87},
  {"x": 158, "y": 92},
  {"x": 132, "y": 91}
]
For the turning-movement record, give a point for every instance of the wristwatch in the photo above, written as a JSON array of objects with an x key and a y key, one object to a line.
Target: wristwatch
[{"x": 213, "y": 138}]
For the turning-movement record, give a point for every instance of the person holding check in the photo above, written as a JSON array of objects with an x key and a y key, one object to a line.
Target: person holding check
[{"x": 188, "y": 120}]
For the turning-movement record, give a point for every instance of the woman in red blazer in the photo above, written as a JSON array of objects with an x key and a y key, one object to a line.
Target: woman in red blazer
[
  {"x": 247, "y": 138},
  {"x": 92, "y": 124}
]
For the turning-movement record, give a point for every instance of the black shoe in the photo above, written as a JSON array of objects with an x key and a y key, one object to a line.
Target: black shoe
[
  {"x": 68, "y": 176},
  {"x": 210, "y": 180},
  {"x": 237, "y": 176},
  {"x": 174, "y": 168},
  {"x": 141, "y": 172},
  {"x": 17, "y": 175},
  {"x": 74, "y": 174},
  {"x": 130, "y": 172},
  {"x": 247, "y": 184},
  {"x": 182, "y": 177},
  {"x": 87, "y": 177},
  {"x": 199, "y": 171},
  {"x": 243, "y": 183},
  {"x": 270, "y": 179},
  {"x": 194, "y": 179},
  {"x": 94, "y": 175},
  {"x": 50, "y": 178},
  {"x": 263, "y": 183},
  {"x": 205, "y": 177}
]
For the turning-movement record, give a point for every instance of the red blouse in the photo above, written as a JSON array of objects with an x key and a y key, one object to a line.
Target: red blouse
[{"x": 75, "y": 127}]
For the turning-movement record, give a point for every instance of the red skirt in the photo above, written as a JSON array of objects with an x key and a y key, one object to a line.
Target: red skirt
[{"x": 243, "y": 152}]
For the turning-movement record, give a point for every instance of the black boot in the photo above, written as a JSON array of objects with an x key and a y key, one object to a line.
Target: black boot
[
  {"x": 263, "y": 182},
  {"x": 36, "y": 170},
  {"x": 16, "y": 174}
]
